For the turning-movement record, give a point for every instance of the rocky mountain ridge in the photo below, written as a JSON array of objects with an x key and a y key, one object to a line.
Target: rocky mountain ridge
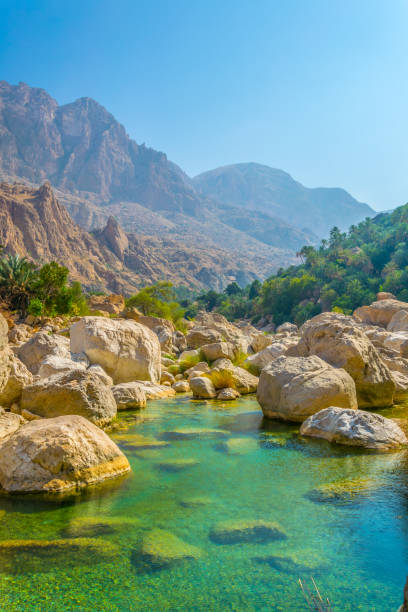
[
  {"x": 99, "y": 171},
  {"x": 34, "y": 224}
]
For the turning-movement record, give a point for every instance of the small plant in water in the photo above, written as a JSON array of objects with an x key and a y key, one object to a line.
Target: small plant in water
[{"x": 314, "y": 599}]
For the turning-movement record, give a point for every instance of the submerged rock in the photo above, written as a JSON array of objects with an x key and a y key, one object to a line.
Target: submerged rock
[
  {"x": 196, "y": 502},
  {"x": 50, "y": 455},
  {"x": 298, "y": 562},
  {"x": 252, "y": 531},
  {"x": 93, "y": 526},
  {"x": 160, "y": 549},
  {"x": 36, "y": 556},
  {"x": 189, "y": 433},
  {"x": 354, "y": 428},
  {"x": 238, "y": 446},
  {"x": 177, "y": 465},
  {"x": 343, "y": 490},
  {"x": 138, "y": 441}
]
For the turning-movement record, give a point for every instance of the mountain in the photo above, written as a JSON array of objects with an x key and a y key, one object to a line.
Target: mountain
[
  {"x": 274, "y": 192},
  {"x": 35, "y": 225},
  {"x": 98, "y": 171}
]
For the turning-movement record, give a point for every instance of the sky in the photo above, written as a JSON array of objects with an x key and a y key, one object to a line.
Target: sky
[{"x": 317, "y": 88}]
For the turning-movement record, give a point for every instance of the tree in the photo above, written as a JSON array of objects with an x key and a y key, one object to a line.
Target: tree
[{"x": 16, "y": 278}]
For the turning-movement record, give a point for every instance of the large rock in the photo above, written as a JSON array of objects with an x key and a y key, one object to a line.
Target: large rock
[
  {"x": 129, "y": 396},
  {"x": 15, "y": 377},
  {"x": 9, "y": 423},
  {"x": 50, "y": 455},
  {"x": 53, "y": 364},
  {"x": 213, "y": 327},
  {"x": 293, "y": 388},
  {"x": 41, "y": 345},
  {"x": 262, "y": 359},
  {"x": 251, "y": 531},
  {"x": 125, "y": 349},
  {"x": 202, "y": 387},
  {"x": 399, "y": 322},
  {"x": 225, "y": 374},
  {"x": 75, "y": 392},
  {"x": 111, "y": 304},
  {"x": 160, "y": 549},
  {"x": 219, "y": 350},
  {"x": 339, "y": 340},
  {"x": 354, "y": 428},
  {"x": 380, "y": 312},
  {"x": 260, "y": 341}
]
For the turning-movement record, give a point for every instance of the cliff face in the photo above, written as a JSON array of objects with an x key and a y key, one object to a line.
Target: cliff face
[
  {"x": 82, "y": 149},
  {"x": 35, "y": 225}
]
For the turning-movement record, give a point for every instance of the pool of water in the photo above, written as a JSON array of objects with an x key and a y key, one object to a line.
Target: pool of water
[{"x": 354, "y": 542}]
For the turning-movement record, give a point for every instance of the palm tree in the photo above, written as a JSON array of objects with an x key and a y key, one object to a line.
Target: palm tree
[{"x": 16, "y": 277}]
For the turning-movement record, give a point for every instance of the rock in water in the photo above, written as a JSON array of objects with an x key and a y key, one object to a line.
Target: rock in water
[
  {"x": 354, "y": 428},
  {"x": 76, "y": 392},
  {"x": 129, "y": 396},
  {"x": 161, "y": 549},
  {"x": 50, "y": 455},
  {"x": 258, "y": 531},
  {"x": 202, "y": 387},
  {"x": 293, "y": 388},
  {"x": 340, "y": 341},
  {"x": 126, "y": 350}
]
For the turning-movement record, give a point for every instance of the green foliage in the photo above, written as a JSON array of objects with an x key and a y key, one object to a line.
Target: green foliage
[
  {"x": 158, "y": 301},
  {"x": 344, "y": 272},
  {"x": 39, "y": 290}
]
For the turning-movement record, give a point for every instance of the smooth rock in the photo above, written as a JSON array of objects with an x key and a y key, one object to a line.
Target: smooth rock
[
  {"x": 161, "y": 549},
  {"x": 202, "y": 387},
  {"x": 293, "y": 388},
  {"x": 126, "y": 350},
  {"x": 76, "y": 392},
  {"x": 354, "y": 428},
  {"x": 228, "y": 394},
  {"x": 129, "y": 396},
  {"x": 58, "y": 454},
  {"x": 42, "y": 345}
]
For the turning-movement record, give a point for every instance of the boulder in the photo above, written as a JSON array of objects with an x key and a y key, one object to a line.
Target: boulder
[
  {"x": 14, "y": 376},
  {"x": 339, "y": 340},
  {"x": 154, "y": 391},
  {"x": 9, "y": 423},
  {"x": 202, "y": 387},
  {"x": 125, "y": 349},
  {"x": 218, "y": 350},
  {"x": 98, "y": 371},
  {"x": 50, "y": 455},
  {"x": 111, "y": 304},
  {"x": 225, "y": 375},
  {"x": 41, "y": 345},
  {"x": 380, "y": 312},
  {"x": 75, "y": 392},
  {"x": 181, "y": 386},
  {"x": 260, "y": 341},
  {"x": 287, "y": 328},
  {"x": 58, "y": 365},
  {"x": 354, "y": 428},
  {"x": 399, "y": 322},
  {"x": 129, "y": 396},
  {"x": 228, "y": 394},
  {"x": 293, "y": 388},
  {"x": 262, "y": 359},
  {"x": 384, "y": 295},
  {"x": 200, "y": 368},
  {"x": 199, "y": 336},
  {"x": 167, "y": 377}
]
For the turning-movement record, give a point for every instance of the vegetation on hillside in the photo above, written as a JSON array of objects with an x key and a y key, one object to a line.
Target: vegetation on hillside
[
  {"x": 344, "y": 272},
  {"x": 158, "y": 300},
  {"x": 39, "y": 290}
]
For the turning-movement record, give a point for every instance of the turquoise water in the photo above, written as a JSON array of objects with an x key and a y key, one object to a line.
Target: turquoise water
[{"x": 354, "y": 545}]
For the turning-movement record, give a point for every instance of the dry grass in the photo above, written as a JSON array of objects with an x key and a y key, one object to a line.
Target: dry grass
[{"x": 222, "y": 379}]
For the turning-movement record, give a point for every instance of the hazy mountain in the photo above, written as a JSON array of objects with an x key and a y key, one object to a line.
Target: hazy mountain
[
  {"x": 274, "y": 192},
  {"x": 87, "y": 155}
]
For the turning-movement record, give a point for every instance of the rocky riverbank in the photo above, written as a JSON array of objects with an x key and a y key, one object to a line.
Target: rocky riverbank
[{"x": 62, "y": 381}]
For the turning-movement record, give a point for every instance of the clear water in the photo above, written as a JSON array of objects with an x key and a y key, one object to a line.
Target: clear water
[{"x": 360, "y": 541}]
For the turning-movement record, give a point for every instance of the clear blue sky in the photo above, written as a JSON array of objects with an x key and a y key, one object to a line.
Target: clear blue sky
[{"x": 315, "y": 87}]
